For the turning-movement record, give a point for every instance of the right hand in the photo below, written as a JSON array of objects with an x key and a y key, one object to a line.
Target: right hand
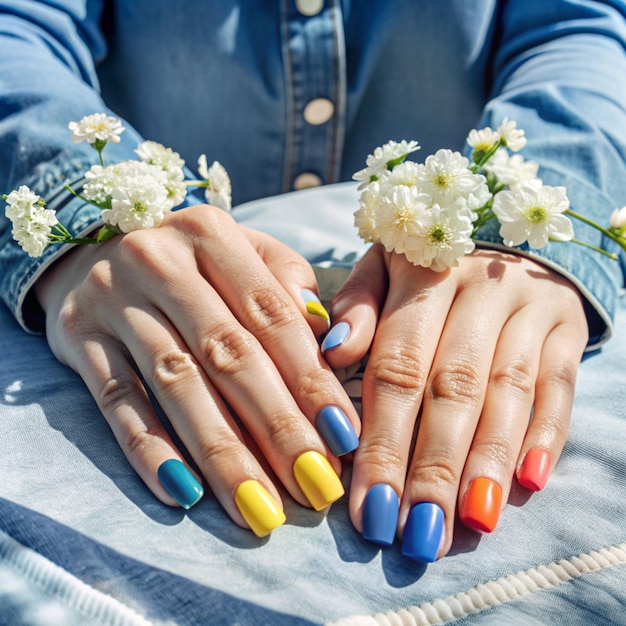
[{"x": 210, "y": 315}]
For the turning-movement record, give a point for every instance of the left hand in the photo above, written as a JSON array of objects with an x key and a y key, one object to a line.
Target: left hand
[{"x": 473, "y": 351}]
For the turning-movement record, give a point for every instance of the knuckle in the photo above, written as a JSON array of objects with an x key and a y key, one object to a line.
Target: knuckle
[
  {"x": 397, "y": 371},
  {"x": 455, "y": 380},
  {"x": 225, "y": 349},
  {"x": 382, "y": 456},
  {"x": 310, "y": 384},
  {"x": 116, "y": 392},
  {"x": 172, "y": 367},
  {"x": 439, "y": 471},
  {"x": 136, "y": 442},
  {"x": 203, "y": 223},
  {"x": 283, "y": 428},
  {"x": 515, "y": 375},
  {"x": 496, "y": 448},
  {"x": 220, "y": 451},
  {"x": 267, "y": 308}
]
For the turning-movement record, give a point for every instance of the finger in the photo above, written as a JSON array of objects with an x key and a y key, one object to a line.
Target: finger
[
  {"x": 504, "y": 420},
  {"x": 271, "y": 352},
  {"x": 548, "y": 429},
  {"x": 202, "y": 422},
  {"x": 355, "y": 311},
  {"x": 393, "y": 385},
  {"x": 452, "y": 405},
  {"x": 123, "y": 401},
  {"x": 295, "y": 275}
]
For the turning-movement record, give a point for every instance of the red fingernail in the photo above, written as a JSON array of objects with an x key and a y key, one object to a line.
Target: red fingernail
[
  {"x": 480, "y": 508},
  {"x": 533, "y": 473}
]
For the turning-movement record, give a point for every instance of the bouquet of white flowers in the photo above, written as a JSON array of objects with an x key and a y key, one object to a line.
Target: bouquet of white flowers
[
  {"x": 132, "y": 195},
  {"x": 431, "y": 212}
]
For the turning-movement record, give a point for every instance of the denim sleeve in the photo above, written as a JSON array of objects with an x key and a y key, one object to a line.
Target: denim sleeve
[
  {"x": 47, "y": 78},
  {"x": 560, "y": 72}
]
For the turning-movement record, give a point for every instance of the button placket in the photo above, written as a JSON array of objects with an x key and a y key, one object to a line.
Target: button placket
[{"x": 315, "y": 73}]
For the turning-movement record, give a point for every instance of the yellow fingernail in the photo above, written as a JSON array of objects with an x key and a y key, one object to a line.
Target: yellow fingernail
[
  {"x": 258, "y": 508},
  {"x": 317, "y": 479},
  {"x": 315, "y": 308}
]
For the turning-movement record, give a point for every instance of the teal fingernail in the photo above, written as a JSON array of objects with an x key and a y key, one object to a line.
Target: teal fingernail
[
  {"x": 336, "y": 336},
  {"x": 180, "y": 483}
]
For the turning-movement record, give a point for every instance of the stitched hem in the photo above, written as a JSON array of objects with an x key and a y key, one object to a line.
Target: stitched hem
[
  {"x": 495, "y": 592},
  {"x": 38, "y": 571}
]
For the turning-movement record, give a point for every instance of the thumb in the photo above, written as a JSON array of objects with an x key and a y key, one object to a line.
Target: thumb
[{"x": 355, "y": 310}]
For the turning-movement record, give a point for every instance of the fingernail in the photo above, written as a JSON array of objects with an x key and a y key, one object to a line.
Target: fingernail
[
  {"x": 380, "y": 514},
  {"x": 317, "y": 479},
  {"x": 336, "y": 336},
  {"x": 180, "y": 483},
  {"x": 337, "y": 431},
  {"x": 313, "y": 304},
  {"x": 535, "y": 469},
  {"x": 258, "y": 508},
  {"x": 480, "y": 508},
  {"x": 423, "y": 532}
]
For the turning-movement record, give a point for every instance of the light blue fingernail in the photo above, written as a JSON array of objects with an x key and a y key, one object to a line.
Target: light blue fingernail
[
  {"x": 180, "y": 483},
  {"x": 309, "y": 296},
  {"x": 423, "y": 532},
  {"x": 336, "y": 336},
  {"x": 380, "y": 514},
  {"x": 337, "y": 431}
]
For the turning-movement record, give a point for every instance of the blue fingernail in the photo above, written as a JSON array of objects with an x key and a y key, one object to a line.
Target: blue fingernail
[
  {"x": 335, "y": 427},
  {"x": 180, "y": 483},
  {"x": 380, "y": 514},
  {"x": 309, "y": 296},
  {"x": 336, "y": 336},
  {"x": 423, "y": 532}
]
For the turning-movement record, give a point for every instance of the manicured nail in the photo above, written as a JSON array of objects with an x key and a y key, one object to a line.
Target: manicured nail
[
  {"x": 334, "y": 425},
  {"x": 535, "y": 469},
  {"x": 336, "y": 336},
  {"x": 317, "y": 479},
  {"x": 313, "y": 304},
  {"x": 180, "y": 483},
  {"x": 423, "y": 532},
  {"x": 380, "y": 514},
  {"x": 258, "y": 508},
  {"x": 480, "y": 508}
]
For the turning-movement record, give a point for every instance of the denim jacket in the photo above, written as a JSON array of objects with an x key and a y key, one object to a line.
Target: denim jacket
[{"x": 289, "y": 93}]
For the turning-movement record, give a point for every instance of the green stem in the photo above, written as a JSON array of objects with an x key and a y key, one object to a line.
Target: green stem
[
  {"x": 605, "y": 231},
  {"x": 592, "y": 247}
]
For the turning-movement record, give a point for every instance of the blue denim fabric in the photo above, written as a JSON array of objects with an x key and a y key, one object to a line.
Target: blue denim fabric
[{"x": 232, "y": 79}]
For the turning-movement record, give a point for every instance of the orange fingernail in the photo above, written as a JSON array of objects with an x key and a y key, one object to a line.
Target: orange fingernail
[
  {"x": 480, "y": 508},
  {"x": 535, "y": 469}
]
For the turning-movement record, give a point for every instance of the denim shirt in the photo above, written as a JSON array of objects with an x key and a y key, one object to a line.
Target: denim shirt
[{"x": 292, "y": 93}]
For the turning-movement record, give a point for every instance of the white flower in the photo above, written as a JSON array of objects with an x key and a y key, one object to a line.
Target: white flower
[
  {"x": 483, "y": 140},
  {"x": 512, "y": 170},
  {"x": 512, "y": 137},
  {"x": 138, "y": 198},
  {"x": 398, "y": 217},
  {"x": 445, "y": 239},
  {"x": 218, "y": 191},
  {"x": 618, "y": 219},
  {"x": 32, "y": 232},
  {"x": 155, "y": 153},
  {"x": 377, "y": 163},
  {"x": 533, "y": 213},
  {"x": 31, "y": 222},
  {"x": 98, "y": 127},
  {"x": 404, "y": 174},
  {"x": 446, "y": 178},
  {"x": 21, "y": 202},
  {"x": 365, "y": 215}
]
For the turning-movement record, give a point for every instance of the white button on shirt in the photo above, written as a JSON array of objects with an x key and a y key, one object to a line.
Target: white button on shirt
[
  {"x": 318, "y": 111},
  {"x": 309, "y": 7},
  {"x": 306, "y": 180}
]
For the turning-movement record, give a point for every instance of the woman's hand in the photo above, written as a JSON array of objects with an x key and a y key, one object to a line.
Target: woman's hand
[
  {"x": 473, "y": 352},
  {"x": 211, "y": 317}
]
